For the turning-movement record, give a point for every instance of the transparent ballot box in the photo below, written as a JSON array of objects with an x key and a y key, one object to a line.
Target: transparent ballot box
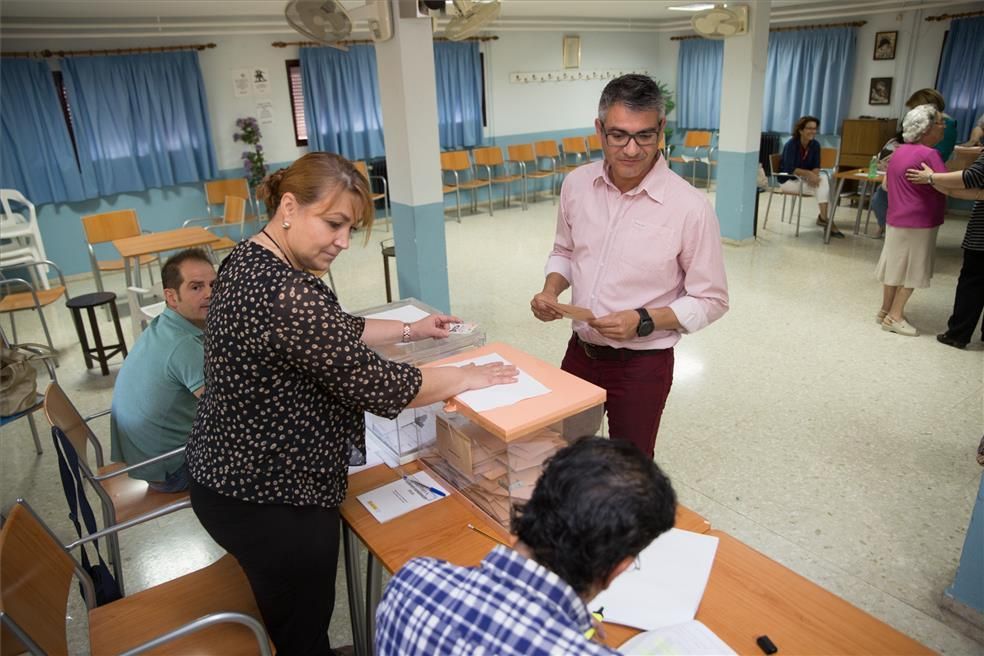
[
  {"x": 494, "y": 457},
  {"x": 423, "y": 351},
  {"x": 402, "y": 439}
]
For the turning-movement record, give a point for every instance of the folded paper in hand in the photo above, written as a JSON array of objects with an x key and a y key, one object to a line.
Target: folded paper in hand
[{"x": 571, "y": 311}]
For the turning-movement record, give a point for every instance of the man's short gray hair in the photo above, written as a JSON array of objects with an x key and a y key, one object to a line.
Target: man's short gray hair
[
  {"x": 918, "y": 122},
  {"x": 640, "y": 93}
]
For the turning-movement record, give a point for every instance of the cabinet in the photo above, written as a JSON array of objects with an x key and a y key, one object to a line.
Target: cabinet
[{"x": 863, "y": 137}]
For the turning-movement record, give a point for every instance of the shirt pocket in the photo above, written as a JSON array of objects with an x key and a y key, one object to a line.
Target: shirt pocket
[{"x": 648, "y": 248}]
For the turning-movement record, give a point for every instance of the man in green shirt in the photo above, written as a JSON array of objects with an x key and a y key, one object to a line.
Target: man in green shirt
[{"x": 157, "y": 390}]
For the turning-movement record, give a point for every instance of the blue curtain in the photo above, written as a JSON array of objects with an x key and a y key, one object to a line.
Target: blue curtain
[
  {"x": 961, "y": 79},
  {"x": 341, "y": 101},
  {"x": 458, "y": 68},
  {"x": 810, "y": 72},
  {"x": 141, "y": 121},
  {"x": 37, "y": 157},
  {"x": 699, "y": 84}
]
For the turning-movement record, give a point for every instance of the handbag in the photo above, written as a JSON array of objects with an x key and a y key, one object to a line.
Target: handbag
[
  {"x": 107, "y": 589},
  {"x": 18, "y": 378}
]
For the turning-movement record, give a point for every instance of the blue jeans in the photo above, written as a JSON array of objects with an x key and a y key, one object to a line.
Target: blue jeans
[
  {"x": 176, "y": 481},
  {"x": 879, "y": 205}
]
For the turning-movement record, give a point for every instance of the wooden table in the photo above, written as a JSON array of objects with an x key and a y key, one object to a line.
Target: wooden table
[
  {"x": 439, "y": 530},
  {"x": 868, "y": 187},
  {"x": 159, "y": 242},
  {"x": 749, "y": 595}
]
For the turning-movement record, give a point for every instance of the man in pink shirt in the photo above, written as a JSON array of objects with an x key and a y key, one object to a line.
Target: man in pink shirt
[{"x": 641, "y": 249}]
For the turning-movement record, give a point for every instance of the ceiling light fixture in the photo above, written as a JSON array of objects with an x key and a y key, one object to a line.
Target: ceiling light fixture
[{"x": 698, "y": 7}]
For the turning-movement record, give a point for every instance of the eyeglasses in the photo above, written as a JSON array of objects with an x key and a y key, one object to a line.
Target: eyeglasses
[{"x": 620, "y": 139}]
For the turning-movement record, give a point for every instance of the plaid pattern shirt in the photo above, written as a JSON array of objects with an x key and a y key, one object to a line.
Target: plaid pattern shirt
[{"x": 507, "y": 605}]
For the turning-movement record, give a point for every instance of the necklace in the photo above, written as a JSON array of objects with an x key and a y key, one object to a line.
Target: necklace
[{"x": 274, "y": 242}]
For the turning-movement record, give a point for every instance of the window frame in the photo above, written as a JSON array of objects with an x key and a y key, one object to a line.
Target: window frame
[{"x": 292, "y": 65}]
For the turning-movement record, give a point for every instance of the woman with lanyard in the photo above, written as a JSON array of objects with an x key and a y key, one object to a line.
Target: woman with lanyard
[
  {"x": 288, "y": 376},
  {"x": 801, "y": 157}
]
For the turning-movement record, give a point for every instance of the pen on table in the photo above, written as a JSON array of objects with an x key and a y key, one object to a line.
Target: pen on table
[
  {"x": 491, "y": 537},
  {"x": 420, "y": 486},
  {"x": 598, "y": 616}
]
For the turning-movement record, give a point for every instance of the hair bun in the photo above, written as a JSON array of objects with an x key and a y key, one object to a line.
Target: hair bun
[{"x": 269, "y": 191}]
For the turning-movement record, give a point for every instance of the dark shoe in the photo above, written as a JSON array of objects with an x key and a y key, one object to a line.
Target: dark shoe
[
  {"x": 943, "y": 338},
  {"x": 837, "y": 233},
  {"x": 821, "y": 221}
]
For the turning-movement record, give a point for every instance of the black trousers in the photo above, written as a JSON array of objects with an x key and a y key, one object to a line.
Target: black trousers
[
  {"x": 968, "y": 301},
  {"x": 289, "y": 555}
]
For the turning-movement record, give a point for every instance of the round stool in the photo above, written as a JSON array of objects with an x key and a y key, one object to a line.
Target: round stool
[{"x": 100, "y": 352}]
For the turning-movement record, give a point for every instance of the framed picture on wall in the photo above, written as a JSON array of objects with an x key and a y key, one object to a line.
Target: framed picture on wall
[
  {"x": 885, "y": 45},
  {"x": 880, "y": 91},
  {"x": 572, "y": 52}
]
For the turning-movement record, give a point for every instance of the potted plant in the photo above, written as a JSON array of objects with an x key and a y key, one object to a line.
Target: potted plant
[{"x": 253, "y": 162}]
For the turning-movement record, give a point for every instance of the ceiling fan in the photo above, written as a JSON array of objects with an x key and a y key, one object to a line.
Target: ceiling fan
[
  {"x": 471, "y": 18},
  {"x": 328, "y": 22}
]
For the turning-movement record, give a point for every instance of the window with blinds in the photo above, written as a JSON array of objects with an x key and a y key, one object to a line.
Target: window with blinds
[{"x": 297, "y": 101}]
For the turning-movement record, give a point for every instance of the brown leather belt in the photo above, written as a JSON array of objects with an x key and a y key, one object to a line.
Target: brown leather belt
[{"x": 599, "y": 352}]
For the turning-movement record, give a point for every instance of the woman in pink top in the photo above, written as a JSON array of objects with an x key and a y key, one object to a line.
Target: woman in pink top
[{"x": 915, "y": 214}]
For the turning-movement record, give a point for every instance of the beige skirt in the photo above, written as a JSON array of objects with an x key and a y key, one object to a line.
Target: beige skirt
[{"x": 907, "y": 257}]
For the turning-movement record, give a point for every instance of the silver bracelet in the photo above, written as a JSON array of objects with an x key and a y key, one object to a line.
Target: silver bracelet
[{"x": 406, "y": 333}]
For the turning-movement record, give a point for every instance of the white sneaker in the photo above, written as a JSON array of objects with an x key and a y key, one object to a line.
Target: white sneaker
[{"x": 900, "y": 327}]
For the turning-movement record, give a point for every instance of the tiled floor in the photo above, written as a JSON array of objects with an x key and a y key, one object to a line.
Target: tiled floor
[{"x": 795, "y": 423}]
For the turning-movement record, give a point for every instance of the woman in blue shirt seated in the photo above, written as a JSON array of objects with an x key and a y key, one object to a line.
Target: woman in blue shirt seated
[{"x": 801, "y": 157}]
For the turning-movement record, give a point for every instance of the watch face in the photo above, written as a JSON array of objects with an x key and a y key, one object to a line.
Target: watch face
[{"x": 646, "y": 325}]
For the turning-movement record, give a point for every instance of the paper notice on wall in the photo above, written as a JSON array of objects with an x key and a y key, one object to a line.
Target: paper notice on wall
[
  {"x": 264, "y": 113},
  {"x": 240, "y": 82},
  {"x": 260, "y": 78}
]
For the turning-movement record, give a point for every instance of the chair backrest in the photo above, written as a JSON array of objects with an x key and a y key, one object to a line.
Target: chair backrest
[
  {"x": 7, "y": 195},
  {"x": 546, "y": 148},
  {"x": 35, "y": 580},
  {"x": 61, "y": 412},
  {"x": 217, "y": 190},
  {"x": 488, "y": 156},
  {"x": 521, "y": 153},
  {"x": 697, "y": 139},
  {"x": 775, "y": 163},
  {"x": 455, "y": 160},
  {"x": 100, "y": 228},
  {"x": 141, "y": 313},
  {"x": 828, "y": 158},
  {"x": 594, "y": 141},
  {"x": 235, "y": 210},
  {"x": 575, "y": 145}
]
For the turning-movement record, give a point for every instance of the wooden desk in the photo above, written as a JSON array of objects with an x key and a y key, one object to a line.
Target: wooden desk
[
  {"x": 867, "y": 188},
  {"x": 749, "y": 595},
  {"x": 439, "y": 530},
  {"x": 159, "y": 242}
]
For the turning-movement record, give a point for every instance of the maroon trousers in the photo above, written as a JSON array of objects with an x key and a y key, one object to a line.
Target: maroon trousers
[{"x": 636, "y": 389}]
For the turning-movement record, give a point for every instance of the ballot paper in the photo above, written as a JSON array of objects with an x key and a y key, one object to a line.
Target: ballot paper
[
  {"x": 498, "y": 396},
  {"x": 688, "y": 639},
  {"x": 400, "y": 497},
  {"x": 667, "y": 587},
  {"x": 571, "y": 311}
]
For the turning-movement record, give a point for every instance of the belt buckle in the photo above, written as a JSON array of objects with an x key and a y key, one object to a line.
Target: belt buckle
[{"x": 587, "y": 349}]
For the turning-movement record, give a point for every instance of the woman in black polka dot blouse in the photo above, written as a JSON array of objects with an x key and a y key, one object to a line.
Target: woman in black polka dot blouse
[{"x": 288, "y": 376}]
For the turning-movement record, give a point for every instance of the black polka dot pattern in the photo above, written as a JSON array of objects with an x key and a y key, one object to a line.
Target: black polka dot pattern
[{"x": 287, "y": 378}]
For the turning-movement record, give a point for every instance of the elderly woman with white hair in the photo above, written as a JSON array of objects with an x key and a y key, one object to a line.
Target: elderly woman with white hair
[{"x": 914, "y": 217}]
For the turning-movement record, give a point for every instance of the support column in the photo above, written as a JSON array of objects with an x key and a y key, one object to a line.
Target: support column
[
  {"x": 408, "y": 90},
  {"x": 741, "y": 124}
]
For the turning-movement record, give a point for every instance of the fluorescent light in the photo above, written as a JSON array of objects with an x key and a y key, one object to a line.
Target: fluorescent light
[{"x": 698, "y": 7}]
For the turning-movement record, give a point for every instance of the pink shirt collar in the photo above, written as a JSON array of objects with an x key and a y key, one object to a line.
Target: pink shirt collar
[{"x": 654, "y": 184}]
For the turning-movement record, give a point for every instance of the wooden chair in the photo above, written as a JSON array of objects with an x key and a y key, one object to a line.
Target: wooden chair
[
  {"x": 363, "y": 168},
  {"x": 209, "y": 611},
  {"x": 547, "y": 149},
  {"x": 30, "y": 298},
  {"x": 775, "y": 166},
  {"x": 457, "y": 164},
  {"x": 529, "y": 167},
  {"x": 216, "y": 192},
  {"x": 490, "y": 158},
  {"x": 105, "y": 227},
  {"x": 140, "y": 314},
  {"x": 696, "y": 140},
  {"x": 121, "y": 497},
  {"x": 578, "y": 147},
  {"x": 594, "y": 144},
  {"x": 39, "y": 399}
]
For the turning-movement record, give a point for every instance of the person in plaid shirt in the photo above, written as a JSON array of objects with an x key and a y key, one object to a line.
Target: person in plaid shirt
[{"x": 598, "y": 504}]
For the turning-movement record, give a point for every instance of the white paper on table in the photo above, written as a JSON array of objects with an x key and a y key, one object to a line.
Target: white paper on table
[
  {"x": 667, "y": 588},
  {"x": 399, "y": 497},
  {"x": 498, "y": 396},
  {"x": 406, "y": 314},
  {"x": 688, "y": 639}
]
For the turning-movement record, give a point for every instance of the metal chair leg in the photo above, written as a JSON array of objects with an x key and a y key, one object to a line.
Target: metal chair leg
[
  {"x": 34, "y": 433},
  {"x": 355, "y": 593},
  {"x": 768, "y": 206}
]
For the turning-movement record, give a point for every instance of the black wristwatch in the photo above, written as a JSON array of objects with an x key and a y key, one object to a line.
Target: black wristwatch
[{"x": 646, "y": 325}]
